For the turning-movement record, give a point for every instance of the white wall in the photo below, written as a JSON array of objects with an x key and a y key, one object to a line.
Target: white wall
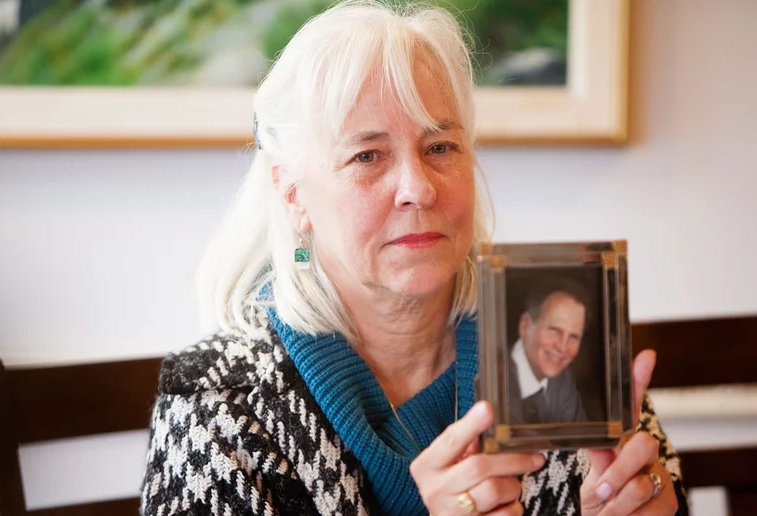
[{"x": 97, "y": 247}]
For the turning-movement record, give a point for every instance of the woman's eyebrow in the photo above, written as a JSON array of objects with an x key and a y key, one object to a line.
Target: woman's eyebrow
[
  {"x": 366, "y": 136},
  {"x": 370, "y": 136},
  {"x": 441, "y": 126}
]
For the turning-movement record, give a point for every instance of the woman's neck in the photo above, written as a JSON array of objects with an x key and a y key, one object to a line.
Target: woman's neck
[{"x": 405, "y": 342}]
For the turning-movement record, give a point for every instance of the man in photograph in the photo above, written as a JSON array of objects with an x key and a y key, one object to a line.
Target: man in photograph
[{"x": 542, "y": 386}]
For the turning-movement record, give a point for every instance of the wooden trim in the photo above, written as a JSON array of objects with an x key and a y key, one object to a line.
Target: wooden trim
[
  {"x": 43, "y": 141},
  {"x": 77, "y": 400},
  {"x": 733, "y": 467},
  {"x": 123, "y": 507},
  {"x": 700, "y": 352},
  {"x": 11, "y": 486},
  {"x": 742, "y": 502}
]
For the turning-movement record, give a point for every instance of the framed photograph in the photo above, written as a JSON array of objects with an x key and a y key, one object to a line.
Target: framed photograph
[
  {"x": 554, "y": 345},
  {"x": 171, "y": 74}
]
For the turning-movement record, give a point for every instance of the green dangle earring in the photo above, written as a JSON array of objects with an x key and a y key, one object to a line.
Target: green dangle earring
[{"x": 302, "y": 256}]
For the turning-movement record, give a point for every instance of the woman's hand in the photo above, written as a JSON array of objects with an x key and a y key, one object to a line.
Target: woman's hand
[
  {"x": 622, "y": 481},
  {"x": 453, "y": 479}
]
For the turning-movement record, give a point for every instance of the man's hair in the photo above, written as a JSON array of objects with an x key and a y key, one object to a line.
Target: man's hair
[
  {"x": 307, "y": 94},
  {"x": 541, "y": 291}
]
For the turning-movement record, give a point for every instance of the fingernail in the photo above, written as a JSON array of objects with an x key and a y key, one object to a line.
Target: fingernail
[
  {"x": 604, "y": 491},
  {"x": 537, "y": 460},
  {"x": 477, "y": 410}
]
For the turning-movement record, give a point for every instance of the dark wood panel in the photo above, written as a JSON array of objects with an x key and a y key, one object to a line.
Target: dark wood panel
[
  {"x": 700, "y": 352},
  {"x": 67, "y": 401},
  {"x": 742, "y": 502},
  {"x": 124, "y": 507},
  {"x": 735, "y": 467},
  {"x": 11, "y": 494}
]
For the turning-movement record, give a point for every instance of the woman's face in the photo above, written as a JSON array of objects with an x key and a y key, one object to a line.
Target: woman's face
[{"x": 390, "y": 206}]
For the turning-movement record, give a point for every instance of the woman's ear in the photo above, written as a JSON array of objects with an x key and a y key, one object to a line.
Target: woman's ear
[{"x": 298, "y": 215}]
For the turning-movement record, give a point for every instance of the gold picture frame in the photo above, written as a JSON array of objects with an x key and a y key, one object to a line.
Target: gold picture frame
[{"x": 591, "y": 109}]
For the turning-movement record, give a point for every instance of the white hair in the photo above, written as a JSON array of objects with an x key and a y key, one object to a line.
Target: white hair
[{"x": 311, "y": 89}]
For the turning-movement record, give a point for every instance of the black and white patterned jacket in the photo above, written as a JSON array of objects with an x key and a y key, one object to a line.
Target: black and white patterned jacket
[{"x": 235, "y": 431}]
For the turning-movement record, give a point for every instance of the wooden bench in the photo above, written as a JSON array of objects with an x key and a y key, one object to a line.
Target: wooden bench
[
  {"x": 39, "y": 404},
  {"x": 709, "y": 352}
]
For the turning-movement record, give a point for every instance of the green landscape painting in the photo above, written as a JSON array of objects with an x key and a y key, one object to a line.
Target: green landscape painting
[{"x": 233, "y": 42}]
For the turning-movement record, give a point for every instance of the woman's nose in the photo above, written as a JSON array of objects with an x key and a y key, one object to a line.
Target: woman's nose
[{"x": 415, "y": 187}]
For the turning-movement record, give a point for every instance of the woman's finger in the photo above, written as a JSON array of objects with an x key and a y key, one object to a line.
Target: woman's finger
[
  {"x": 470, "y": 472},
  {"x": 638, "y": 454},
  {"x": 596, "y": 489},
  {"x": 643, "y": 367},
  {"x": 633, "y": 495},
  {"x": 471, "y": 449},
  {"x": 638, "y": 496},
  {"x": 494, "y": 492},
  {"x": 450, "y": 445},
  {"x": 511, "y": 509},
  {"x": 601, "y": 459}
]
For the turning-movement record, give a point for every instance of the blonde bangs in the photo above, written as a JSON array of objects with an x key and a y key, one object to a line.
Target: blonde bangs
[{"x": 388, "y": 45}]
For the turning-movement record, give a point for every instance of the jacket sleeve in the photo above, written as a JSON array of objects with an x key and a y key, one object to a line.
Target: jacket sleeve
[
  {"x": 667, "y": 454},
  {"x": 208, "y": 455}
]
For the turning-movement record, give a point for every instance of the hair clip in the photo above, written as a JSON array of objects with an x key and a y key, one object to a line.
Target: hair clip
[{"x": 255, "y": 132}]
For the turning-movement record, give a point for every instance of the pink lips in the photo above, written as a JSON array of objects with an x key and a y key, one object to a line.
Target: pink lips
[{"x": 418, "y": 240}]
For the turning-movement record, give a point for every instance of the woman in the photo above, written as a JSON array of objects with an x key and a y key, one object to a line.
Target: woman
[{"x": 341, "y": 380}]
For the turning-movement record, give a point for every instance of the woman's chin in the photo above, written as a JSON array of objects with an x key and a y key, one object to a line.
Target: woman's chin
[{"x": 422, "y": 282}]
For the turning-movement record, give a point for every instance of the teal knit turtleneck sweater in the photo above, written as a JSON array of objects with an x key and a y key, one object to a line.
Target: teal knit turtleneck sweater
[{"x": 353, "y": 401}]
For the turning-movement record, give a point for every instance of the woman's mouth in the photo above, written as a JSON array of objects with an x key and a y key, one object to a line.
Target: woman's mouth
[{"x": 418, "y": 240}]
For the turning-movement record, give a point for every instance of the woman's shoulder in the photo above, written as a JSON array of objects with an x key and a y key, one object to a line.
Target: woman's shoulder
[
  {"x": 212, "y": 449},
  {"x": 221, "y": 361},
  {"x": 235, "y": 425}
]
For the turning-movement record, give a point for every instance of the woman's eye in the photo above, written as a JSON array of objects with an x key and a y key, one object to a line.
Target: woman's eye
[
  {"x": 366, "y": 157},
  {"x": 441, "y": 148}
]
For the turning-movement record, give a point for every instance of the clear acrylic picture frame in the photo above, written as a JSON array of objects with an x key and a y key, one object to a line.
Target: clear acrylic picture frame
[{"x": 493, "y": 262}]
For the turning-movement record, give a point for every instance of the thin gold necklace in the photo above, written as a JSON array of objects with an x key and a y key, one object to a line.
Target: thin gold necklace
[{"x": 394, "y": 411}]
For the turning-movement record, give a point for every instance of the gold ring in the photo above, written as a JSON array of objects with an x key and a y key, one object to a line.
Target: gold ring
[
  {"x": 466, "y": 503},
  {"x": 656, "y": 484}
]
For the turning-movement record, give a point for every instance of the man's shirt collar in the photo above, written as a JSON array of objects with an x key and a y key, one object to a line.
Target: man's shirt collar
[{"x": 528, "y": 383}]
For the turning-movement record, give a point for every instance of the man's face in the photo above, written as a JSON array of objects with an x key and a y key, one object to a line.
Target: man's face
[{"x": 552, "y": 341}]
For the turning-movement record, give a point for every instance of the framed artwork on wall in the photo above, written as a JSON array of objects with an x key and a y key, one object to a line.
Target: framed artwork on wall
[{"x": 183, "y": 74}]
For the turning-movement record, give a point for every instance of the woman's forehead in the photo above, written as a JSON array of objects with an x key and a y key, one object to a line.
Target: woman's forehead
[{"x": 424, "y": 103}]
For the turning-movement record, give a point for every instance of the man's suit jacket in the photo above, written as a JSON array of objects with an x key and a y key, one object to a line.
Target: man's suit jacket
[{"x": 563, "y": 401}]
